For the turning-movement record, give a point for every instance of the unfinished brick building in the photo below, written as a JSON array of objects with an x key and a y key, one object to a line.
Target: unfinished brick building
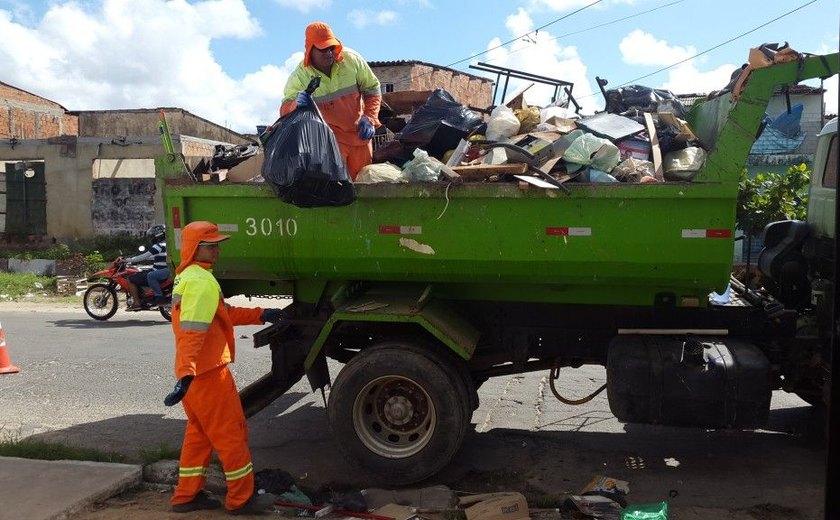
[
  {"x": 407, "y": 84},
  {"x": 24, "y": 115}
]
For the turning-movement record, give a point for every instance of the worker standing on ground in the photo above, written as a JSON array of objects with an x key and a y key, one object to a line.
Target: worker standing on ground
[
  {"x": 204, "y": 345},
  {"x": 348, "y": 96}
]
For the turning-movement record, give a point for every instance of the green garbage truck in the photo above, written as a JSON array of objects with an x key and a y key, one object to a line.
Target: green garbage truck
[{"x": 424, "y": 291}]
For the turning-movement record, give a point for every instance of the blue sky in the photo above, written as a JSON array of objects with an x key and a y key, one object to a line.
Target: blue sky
[{"x": 228, "y": 60}]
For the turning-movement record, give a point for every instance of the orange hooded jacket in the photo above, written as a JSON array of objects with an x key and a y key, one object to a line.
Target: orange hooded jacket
[
  {"x": 350, "y": 92},
  {"x": 202, "y": 322}
]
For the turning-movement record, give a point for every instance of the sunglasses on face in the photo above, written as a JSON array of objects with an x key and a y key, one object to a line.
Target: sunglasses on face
[{"x": 324, "y": 51}]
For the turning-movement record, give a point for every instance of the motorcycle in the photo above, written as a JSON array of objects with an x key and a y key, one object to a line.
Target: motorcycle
[{"x": 100, "y": 298}]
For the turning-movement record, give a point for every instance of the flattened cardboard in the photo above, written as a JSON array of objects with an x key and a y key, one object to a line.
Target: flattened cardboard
[
  {"x": 498, "y": 506},
  {"x": 246, "y": 170},
  {"x": 656, "y": 153}
]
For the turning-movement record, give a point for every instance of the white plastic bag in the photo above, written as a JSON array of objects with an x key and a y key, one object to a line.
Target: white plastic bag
[
  {"x": 683, "y": 165},
  {"x": 632, "y": 170},
  {"x": 381, "y": 172},
  {"x": 590, "y": 149},
  {"x": 422, "y": 168},
  {"x": 558, "y": 112},
  {"x": 503, "y": 124}
]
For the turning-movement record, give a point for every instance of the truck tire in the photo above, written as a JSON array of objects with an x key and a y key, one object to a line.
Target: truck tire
[{"x": 399, "y": 411}]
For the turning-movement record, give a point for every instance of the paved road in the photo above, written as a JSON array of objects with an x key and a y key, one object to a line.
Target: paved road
[{"x": 101, "y": 384}]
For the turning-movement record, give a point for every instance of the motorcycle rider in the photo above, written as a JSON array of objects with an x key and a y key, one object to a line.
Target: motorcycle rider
[{"x": 160, "y": 269}]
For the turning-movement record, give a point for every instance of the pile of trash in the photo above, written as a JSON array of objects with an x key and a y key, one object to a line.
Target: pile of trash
[
  {"x": 642, "y": 137},
  {"x": 603, "y": 498}
]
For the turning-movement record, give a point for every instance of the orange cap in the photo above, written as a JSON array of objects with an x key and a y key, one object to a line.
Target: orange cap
[
  {"x": 195, "y": 234},
  {"x": 319, "y": 34}
]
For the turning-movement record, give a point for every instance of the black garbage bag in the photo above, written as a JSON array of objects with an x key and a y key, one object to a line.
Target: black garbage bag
[
  {"x": 630, "y": 100},
  {"x": 440, "y": 110},
  {"x": 274, "y": 481},
  {"x": 303, "y": 163},
  {"x": 228, "y": 156}
]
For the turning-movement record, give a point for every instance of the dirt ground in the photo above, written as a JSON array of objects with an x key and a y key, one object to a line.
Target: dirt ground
[{"x": 151, "y": 502}]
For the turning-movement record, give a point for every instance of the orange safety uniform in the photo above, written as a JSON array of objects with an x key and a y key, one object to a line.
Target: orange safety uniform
[
  {"x": 204, "y": 345},
  {"x": 351, "y": 91}
]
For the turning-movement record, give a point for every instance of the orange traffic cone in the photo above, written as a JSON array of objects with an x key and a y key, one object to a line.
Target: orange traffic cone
[{"x": 6, "y": 366}]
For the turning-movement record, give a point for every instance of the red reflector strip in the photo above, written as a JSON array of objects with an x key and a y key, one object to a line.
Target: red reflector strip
[
  {"x": 569, "y": 231},
  {"x": 176, "y": 226},
  {"x": 718, "y": 233},
  {"x": 706, "y": 233},
  {"x": 400, "y": 230}
]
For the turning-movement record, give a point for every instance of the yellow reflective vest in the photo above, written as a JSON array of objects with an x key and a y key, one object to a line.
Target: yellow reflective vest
[
  {"x": 203, "y": 323},
  {"x": 350, "y": 91}
]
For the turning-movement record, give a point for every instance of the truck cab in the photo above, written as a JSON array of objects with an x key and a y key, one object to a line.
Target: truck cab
[
  {"x": 797, "y": 265},
  {"x": 821, "y": 193},
  {"x": 798, "y": 256}
]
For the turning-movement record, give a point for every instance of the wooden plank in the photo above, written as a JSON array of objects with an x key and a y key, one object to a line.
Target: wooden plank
[
  {"x": 479, "y": 171},
  {"x": 450, "y": 175},
  {"x": 656, "y": 153}
]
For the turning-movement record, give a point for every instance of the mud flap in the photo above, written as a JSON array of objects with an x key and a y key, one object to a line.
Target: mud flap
[{"x": 287, "y": 356}]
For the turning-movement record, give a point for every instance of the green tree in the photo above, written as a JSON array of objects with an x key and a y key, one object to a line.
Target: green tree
[{"x": 769, "y": 197}]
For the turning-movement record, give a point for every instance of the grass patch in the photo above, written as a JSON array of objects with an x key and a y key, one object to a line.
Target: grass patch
[
  {"x": 162, "y": 452},
  {"x": 34, "y": 449},
  {"x": 18, "y": 285},
  {"x": 106, "y": 246}
]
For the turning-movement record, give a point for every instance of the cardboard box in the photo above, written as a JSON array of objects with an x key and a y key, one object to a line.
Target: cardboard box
[
  {"x": 246, "y": 170},
  {"x": 496, "y": 506}
]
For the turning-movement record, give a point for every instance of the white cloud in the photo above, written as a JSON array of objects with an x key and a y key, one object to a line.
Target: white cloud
[
  {"x": 117, "y": 54},
  {"x": 361, "y": 18},
  {"x": 641, "y": 48},
  {"x": 20, "y": 8},
  {"x": 305, "y": 6},
  {"x": 687, "y": 79},
  {"x": 541, "y": 54}
]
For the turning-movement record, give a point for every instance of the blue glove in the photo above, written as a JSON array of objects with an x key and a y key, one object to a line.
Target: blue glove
[
  {"x": 303, "y": 100},
  {"x": 365, "y": 128},
  {"x": 272, "y": 315},
  {"x": 178, "y": 393}
]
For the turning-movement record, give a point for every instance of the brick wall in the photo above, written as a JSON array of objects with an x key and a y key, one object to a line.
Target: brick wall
[
  {"x": 466, "y": 89},
  {"x": 27, "y": 116}
]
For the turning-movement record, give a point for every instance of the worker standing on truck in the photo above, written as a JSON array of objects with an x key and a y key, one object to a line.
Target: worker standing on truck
[
  {"x": 204, "y": 345},
  {"x": 348, "y": 96}
]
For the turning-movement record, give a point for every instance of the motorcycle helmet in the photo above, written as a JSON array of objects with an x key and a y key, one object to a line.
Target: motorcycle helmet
[{"x": 156, "y": 233}]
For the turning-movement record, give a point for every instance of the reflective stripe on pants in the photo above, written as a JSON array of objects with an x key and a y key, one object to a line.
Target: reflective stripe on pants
[{"x": 215, "y": 421}]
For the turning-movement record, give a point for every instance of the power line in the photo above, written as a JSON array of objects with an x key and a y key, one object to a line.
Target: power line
[
  {"x": 408, "y": 81},
  {"x": 537, "y": 30},
  {"x": 710, "y": 49},
  {"x": 611, "y": 22}
]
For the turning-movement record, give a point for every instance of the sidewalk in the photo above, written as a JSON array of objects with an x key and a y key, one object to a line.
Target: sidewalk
[{"x": 44, "y": 490}]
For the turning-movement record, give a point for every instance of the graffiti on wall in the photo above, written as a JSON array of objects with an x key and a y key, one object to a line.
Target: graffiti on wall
[{"x": 122, "y": 206}]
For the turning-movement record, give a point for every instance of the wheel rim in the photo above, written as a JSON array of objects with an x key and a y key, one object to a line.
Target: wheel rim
[
  {"x": 99, "y": 301},
  {"x": 394, "y": 417}
]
